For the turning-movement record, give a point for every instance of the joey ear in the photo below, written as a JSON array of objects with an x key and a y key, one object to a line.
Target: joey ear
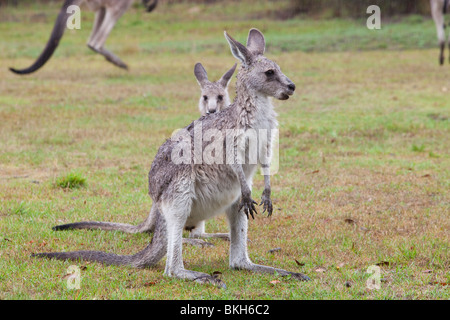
[
  {"x": 227, "y": 77},
  {"x": 239, "y": 51},
  {"x": 256, "y": 42},
  {"x": 200, "y": 74}
]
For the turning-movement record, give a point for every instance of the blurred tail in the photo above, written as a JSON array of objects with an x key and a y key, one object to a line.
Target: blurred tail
[
  {"x": 52, "y": 44},
  {"x": 150, "y": 5},
  {"x": 148, "y": 257}
]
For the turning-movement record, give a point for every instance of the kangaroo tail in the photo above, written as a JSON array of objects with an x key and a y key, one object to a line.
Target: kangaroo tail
[
  {"x": 92, "y": 225},
  {"x": 148, "y": 257},
  {"x": 147, "y": 226},
  {"x": 52, "y": 44},
  {"x": 150, "y": 5}
]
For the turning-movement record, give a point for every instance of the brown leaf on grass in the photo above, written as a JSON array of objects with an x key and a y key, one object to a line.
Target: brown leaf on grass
[
  {"x": 301, "y": 264},
  {"x": 426, "y": 175},
  {"x": 340, "y": 265},
  {"x": 440, "y": 283},
  {"x": 350, "y": 221},
  {"x": 274, "y": 282},
  {"x": 43, "y": 243},
  {"x": 149, "y": 283}
]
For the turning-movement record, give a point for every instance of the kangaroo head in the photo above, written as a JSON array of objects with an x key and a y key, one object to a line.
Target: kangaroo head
[
  {"x": 214, "y": 96},
  {"x": 259, "y": 74}
]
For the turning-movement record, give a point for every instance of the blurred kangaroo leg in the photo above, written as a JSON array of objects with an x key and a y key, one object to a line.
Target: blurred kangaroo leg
[
  {"x": 437, "y": 8},
  {"x": 105, "y": 19}
]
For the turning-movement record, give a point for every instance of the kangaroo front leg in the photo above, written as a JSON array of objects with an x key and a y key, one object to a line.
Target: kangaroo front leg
[
  {"x": 247, "y": 203},
  {"x": 176, "y": 219},
  {"x": 265, "y": 199},
  {"x": 238, "y": 247}
]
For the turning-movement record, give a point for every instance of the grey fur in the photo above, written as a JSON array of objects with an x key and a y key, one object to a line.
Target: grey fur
[{"x": 185, "y": 194}]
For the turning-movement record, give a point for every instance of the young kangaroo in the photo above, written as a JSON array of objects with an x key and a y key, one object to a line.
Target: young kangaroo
[
  {"x": 214, "y": 98},
  {"x": 187, "y": 192}
]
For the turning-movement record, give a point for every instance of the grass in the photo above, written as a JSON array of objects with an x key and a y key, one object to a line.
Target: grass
[
  {"x": 364, "y": 162},
  {"x": 72, "y": 180}
]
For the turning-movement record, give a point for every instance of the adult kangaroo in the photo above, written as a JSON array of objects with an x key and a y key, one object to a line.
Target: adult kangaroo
[
  {"x": 214, "y": 98},
  {"x": 107, "y": 12},
  {"x": 186, "y": 191}
]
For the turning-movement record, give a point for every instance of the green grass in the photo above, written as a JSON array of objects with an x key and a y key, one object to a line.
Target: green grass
[
  {"x": 72, "y": 180},
  {"x": 364, "y": 139}
]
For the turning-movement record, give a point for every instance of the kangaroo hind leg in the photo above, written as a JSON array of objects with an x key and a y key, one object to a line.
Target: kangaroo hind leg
[
  {"x": 176, "y": 215},
  {"x": 238, "y": 246},
  {"x": 105, "y": 20}
]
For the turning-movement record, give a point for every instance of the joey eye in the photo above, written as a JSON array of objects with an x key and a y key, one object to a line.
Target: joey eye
[
  {"x": 269, "y": 73},
  {"x": 220, "y": 97},
  {"x": 205, "y": 98}
]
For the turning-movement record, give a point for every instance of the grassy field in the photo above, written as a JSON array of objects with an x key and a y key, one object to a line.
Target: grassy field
[{"x": 364, "y": 153}]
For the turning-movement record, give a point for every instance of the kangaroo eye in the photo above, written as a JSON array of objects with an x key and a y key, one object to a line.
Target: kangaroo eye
[
  {"x": 205, "y": 98},
  {"x": 269, "y": 73},
  {"x": 220, "y": 97}
]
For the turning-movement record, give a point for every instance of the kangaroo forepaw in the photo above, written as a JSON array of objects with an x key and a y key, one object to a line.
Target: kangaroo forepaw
[
  {"x": 248, "y": 204},
  {"x": 267, "y": 205}
]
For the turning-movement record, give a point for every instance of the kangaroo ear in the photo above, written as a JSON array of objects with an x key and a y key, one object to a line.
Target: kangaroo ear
[
  {"x": 200, "y": 74},
  {"x": 227, "y": 77},
  {"x": 239, "y": 51},
  {"x": 255, "y": 42}
]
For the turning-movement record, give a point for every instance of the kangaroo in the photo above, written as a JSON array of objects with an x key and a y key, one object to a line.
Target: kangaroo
[
  {"x": 214, "y": 98},
  {"x": 438, "y": 10},
  {"x": 187, "y": 192},
  {"x": 107, "y": 12},
  {"x": 214, "y": 95}
]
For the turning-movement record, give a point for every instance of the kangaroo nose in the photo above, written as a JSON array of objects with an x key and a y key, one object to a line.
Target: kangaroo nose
[
  {"x": 291, "y": 86},
  {"x": 212, "y": 111}
]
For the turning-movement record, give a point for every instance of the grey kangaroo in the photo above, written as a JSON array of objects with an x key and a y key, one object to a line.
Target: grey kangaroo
[
  {"x": 438, "y": 10},
  {"x": 186, "y": 193},
  {"x": 107, "y": 12},
  {"x": 214, "y": 98}
]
